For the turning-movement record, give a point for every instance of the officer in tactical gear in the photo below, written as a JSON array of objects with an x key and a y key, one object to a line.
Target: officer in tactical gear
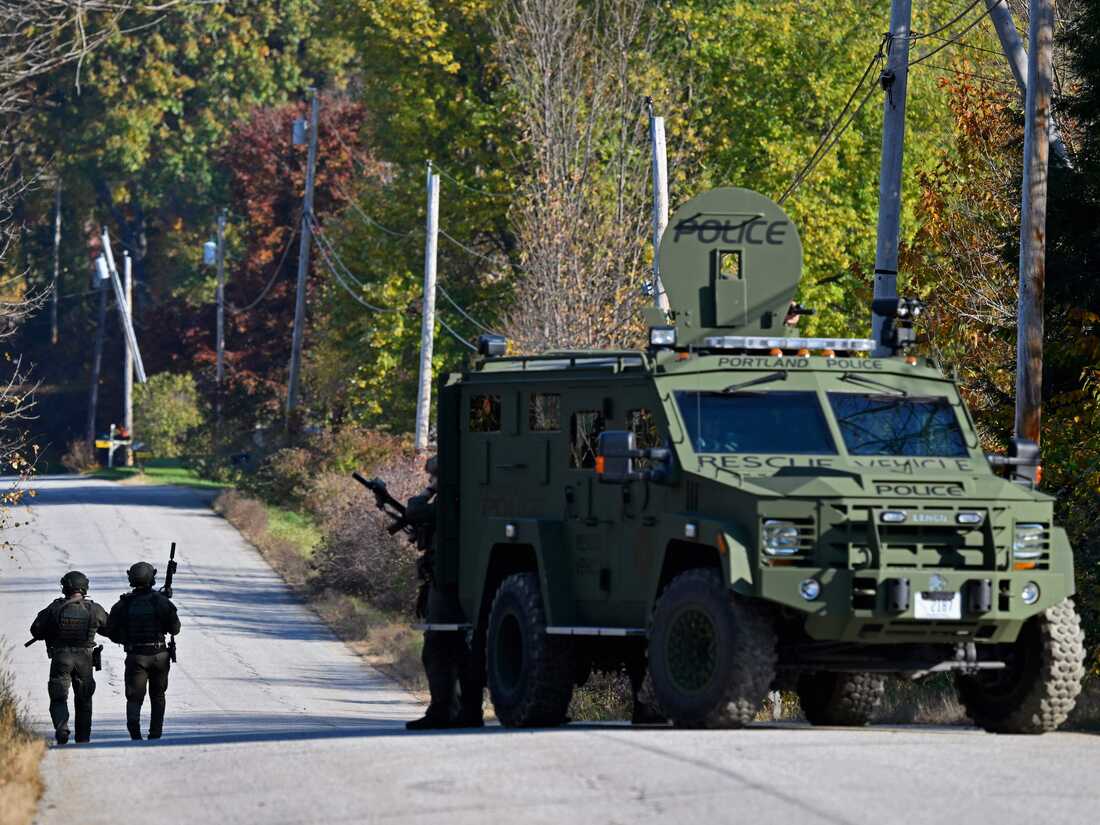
[
  {"x": 68, "y": 627},
  {"x": 449, "y": 661},
  {"x": 138, "y": 622}
]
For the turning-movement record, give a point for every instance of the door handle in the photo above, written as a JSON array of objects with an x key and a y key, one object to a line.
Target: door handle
[{"x": 511, "y": 466}]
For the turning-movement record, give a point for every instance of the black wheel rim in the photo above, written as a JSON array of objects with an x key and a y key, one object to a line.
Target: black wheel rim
[
  {"x": 692, "y": 650},
  {"x": 509, "y": 653}
]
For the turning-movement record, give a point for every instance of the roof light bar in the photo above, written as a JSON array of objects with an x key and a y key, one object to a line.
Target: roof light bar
[{"x": 752, "y": 342}]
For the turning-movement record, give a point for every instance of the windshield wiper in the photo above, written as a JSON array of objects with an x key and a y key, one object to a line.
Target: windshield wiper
[
  {"x": 856, "y": 378},
  {"x": 780, "y": 375}
]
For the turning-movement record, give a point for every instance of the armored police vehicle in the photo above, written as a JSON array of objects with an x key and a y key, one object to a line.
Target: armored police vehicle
[{"x": 749, "y": 509}]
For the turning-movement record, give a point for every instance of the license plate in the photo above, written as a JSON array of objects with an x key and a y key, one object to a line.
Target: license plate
[{"x": 938, "y": 606}]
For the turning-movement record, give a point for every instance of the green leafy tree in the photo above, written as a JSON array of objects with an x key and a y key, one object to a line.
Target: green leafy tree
[{"x": 165, "y": 409}]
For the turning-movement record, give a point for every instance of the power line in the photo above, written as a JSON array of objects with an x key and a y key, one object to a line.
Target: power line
[
  {"x": 454, "y": 334},
  {"x": 996, "y": 80},
  {"x": 477, "y": 254},
  {"x": 947, "y": 25},
  {"x": 367, "y": 219},
  {"x": 325, "y": 248},
  {"x": 274, "y": 276},
  {"x": 953, "y": 39},
  {"x": 466, "y": 186},
  {"x": 463, "y": 312},
  {"x": 828, "y": 141}
]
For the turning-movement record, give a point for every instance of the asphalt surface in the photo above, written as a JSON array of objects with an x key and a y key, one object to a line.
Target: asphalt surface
[{"x": 272, "y": 719}]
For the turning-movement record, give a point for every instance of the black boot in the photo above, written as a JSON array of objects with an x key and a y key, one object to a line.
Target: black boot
[
  {"x": 61, "y": 735},
  {"x": 432, "y": 720},
  {"x": 134, "y": 730}
]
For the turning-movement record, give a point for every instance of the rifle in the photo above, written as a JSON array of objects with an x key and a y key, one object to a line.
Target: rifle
[
  {"x": 387, "y": 504},
  {"x": 29, "y": 643},
  {"x": 167, "y": 591}
]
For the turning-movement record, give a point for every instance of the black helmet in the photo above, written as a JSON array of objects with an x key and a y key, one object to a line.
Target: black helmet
[
  {"x": 141, "y": 574},
  {"x": 73, "y": 581},
  {"x": 431, "y": 466}
]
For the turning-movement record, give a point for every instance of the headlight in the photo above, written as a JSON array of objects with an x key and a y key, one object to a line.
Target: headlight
[
  {"x": 662, "y": 336},
  {"x": 893, "y": 516},
  {"x": 1030, "y": 593},
  {"x": 780, "y": 538},
  {"x": 1027, "y": 543}
]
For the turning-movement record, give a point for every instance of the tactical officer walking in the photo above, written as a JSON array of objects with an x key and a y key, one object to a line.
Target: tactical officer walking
[
  {"x": 138, "y": 622},
  {"x": 68, "y": 627},
  {"x": 449, "y": 662}
]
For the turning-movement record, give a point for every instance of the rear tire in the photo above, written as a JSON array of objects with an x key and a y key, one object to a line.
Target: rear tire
[
  {"x": 530, "y": 674},
  {"x": 842, "y": 699},
  {"x": 711, "y": 654},
  {"x": 1038, "y": 689}
]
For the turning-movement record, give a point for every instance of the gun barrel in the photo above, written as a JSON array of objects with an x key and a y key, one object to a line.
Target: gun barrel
[{"x": 29, "y": 643}]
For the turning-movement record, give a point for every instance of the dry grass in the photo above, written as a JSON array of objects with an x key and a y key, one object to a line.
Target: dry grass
[
  {"x": 383, "y": 638},
  {"x": 20, "y": 753}
]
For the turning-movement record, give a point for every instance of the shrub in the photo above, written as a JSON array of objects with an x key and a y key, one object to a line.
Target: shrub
[
  {"x": 165, "y": 409},
  {"x": 20, "y": 753},
  {"x": 357, "y": 555},
  {"x": 80, "y": 458}
]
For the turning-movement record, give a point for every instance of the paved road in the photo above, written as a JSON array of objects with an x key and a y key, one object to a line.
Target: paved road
[{"x": 272, "y": 719}]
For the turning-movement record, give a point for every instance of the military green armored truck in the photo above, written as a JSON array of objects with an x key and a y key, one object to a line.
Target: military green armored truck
[{"x": 748, "y": 508}]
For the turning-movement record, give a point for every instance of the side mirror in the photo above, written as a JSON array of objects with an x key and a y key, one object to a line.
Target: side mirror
[
  {"x": 615, "y": 452},
  {"x": 1024, "y": 462}
]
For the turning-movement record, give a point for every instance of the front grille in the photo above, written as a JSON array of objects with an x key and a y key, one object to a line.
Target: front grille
[{"x": 850, "y": 540}]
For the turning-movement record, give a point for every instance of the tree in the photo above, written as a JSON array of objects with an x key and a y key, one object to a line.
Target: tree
[{"x": 166, "y": 407}]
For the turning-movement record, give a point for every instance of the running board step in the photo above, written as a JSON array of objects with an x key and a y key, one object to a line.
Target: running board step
[
  {"x": 595, "y": 631},
  {"x": 441, "y": 627}
]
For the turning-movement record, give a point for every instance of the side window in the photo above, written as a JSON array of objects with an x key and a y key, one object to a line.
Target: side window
[
  {"x": 584, "y": 431},
  {"x": 484, "y": 414},
  {"x": 544, "y": 412},
  {"x": 644, "y": 426}
]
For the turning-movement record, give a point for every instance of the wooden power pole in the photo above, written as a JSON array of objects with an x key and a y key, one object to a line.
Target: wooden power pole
[
  {"x": 1033, "y": 217},
  {"x": 102, "y": 276},
  {"x": 895, "y": 80},
  {"x": 220, "y": 368},
  {"x": 55, "y": 333},
  {"x": 303, "y": 267},
  {"x": 427, "y": 319}
]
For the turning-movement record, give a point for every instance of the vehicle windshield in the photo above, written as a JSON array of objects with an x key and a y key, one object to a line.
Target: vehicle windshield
[
  {"x": 894, "y": 425},
  {"x": 755, "y": 422}
]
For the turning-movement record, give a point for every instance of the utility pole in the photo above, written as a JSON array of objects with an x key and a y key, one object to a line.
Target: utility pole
[
  {"x": 54, "y": 332},
  {"x": 427, "y": 318},
  {"x": 895, "y": 80},
  {"x": 660, "y": 201},
  {"x": 97, "y": 353},
  {"x": 1033, "y": 217},
  {"x": 128, "y": 358},
  {"x": 220, "y": 371},
  {"x": 303, "y": 266},
  {"x": 1001, "y": 15},
  {"x": 121, "y": 303}
]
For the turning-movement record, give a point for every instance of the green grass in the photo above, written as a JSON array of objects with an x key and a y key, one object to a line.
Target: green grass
[
  {"x": 296, "y": 528},
  {"x": 161, "y": 471}
]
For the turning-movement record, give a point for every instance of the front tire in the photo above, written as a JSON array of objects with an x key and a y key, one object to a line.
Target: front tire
[
  {"x": 1036, "y": 692},
  {"x": 711, "y": 654},
  {"x": 531, "y": 674},
  {"x": 842, "y": 699}
]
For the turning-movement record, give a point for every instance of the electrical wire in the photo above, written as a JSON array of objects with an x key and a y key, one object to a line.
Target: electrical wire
[
  {"x": 466, "y": 186},
  {"x": 828, "y": 141},
  {"x": 325, "y": 248},
  {"x": 446, "y": 295},
  {"x": 455, "y": 335},
  {"x": 953, "y": 39},
  {"x": 945, "y": 26},
  {"x": 477, "y": 254},
  {"x": 233, "y": 310},
  {"x": 367, "y": 219}
]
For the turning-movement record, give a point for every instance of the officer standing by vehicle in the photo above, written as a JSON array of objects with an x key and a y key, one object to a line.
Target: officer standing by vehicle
[
  {"x": 138, "y": 622},
  {"x": 449, "y": 662},
  {"x": 68, "y": 627}
]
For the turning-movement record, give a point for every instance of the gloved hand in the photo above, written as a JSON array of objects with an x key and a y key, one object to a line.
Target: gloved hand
[{"x": 167, "y": 591}]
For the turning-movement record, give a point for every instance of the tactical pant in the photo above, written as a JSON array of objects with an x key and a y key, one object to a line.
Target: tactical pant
[
  {"x": 452, "y": 668},
  {"x": 72, "y": 666},
  {"x": 146, "y": 671}
]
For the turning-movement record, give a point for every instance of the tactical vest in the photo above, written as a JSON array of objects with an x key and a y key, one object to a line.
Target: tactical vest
[
  {"x": 142, "y": 622},
  {"x": 74, "y": 625}
]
